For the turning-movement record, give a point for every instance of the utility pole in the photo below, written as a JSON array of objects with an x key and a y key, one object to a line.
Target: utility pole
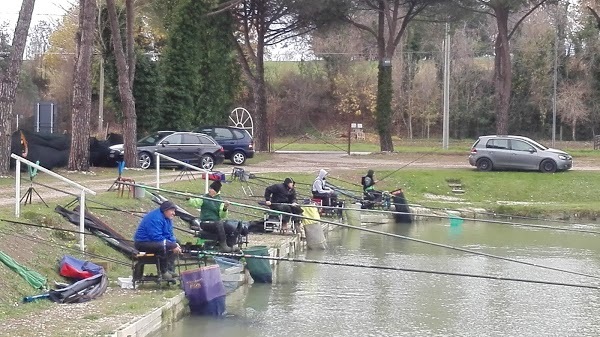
[
  {"x": 101, "y": 100},
  {"x": 446, "y": 121},
  {"x": 555, "y": 79},
  {"x": 101, "y": 84}
]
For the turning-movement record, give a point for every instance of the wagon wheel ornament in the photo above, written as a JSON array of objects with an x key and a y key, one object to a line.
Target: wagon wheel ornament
[{"x": 241, "y": 118}]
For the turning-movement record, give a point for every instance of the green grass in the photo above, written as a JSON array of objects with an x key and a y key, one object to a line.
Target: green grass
[
  {"x": 565, "y": 194},
  {"x": 334, "y": 141}
]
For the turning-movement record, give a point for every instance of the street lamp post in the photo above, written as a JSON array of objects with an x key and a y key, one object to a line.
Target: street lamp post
[
  {"x": 555, "y": 76},
  {"x": 446, "y": 118}
]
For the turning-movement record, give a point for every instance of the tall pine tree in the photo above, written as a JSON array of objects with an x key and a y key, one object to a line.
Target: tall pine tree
[{"x": 199, "y": 67}]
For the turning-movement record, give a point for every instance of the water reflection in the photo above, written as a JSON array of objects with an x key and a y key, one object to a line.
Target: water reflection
[{"x": 324, "y": 300}]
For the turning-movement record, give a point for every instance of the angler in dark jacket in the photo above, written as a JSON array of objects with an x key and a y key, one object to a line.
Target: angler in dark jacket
[
  {"x": 368, "y": 183},
  {"x": 282, "y": 197}
]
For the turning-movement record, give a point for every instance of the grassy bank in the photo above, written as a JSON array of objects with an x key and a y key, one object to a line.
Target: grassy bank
[
  {"x": 560, "y": 195},
  {"x": 336, "y": 141}
]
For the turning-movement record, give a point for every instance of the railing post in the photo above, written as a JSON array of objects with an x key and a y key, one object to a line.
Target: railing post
[
  {"x": 184, "y": 164},
  {"x": 17, "y": 188},
  {"x": 82, "y": 221},
  {"x": 206, "y": 180},
  {"x": 157, "y": 164},
  {"x": 45, "y": 170}
]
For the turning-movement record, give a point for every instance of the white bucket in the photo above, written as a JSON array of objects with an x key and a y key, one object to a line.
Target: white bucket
[
  {"x": 139, "y": 192},
  {"x": 125, "y": 282}
]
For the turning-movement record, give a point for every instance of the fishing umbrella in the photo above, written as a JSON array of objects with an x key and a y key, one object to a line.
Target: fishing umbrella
[{"x": 35, "y": 279}]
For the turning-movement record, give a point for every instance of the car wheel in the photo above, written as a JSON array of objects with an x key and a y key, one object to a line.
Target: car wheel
[
  {"x": 484, "y": 164},
  {"x": 548, "y": 166},
  {"x": 145, "y": 160},
  {"x": 207, "y": 162},
  {"x": 238, "y": 158}
]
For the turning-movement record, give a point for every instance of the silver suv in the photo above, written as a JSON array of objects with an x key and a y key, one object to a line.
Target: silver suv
[{"x": 518, "y": 153}]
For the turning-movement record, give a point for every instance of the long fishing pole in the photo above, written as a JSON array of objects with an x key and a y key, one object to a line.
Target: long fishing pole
[
  {"x": 56, "y": 228},
  {"x": 54, "y": 244},
  {"x": 298, "y": 194},
  {"x": 495, "y": 214},
  {"x": 518, "y": 224},
  {"x": 405, "y": 165},
  {"x": 345, "y": 191},
  {"x": 381, "y": 233},
  {"x": 108, "y": 207},
  {"x": 265, "y": 185},
  {"x": 412, "y": 270}
]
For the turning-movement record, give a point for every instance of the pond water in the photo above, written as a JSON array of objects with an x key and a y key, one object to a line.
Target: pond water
[{"x": 325, "y": 300}]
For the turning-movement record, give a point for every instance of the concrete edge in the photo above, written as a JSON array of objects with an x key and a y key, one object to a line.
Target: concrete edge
[
  {"x": 175, "y": 308},
  {"x": 171, "y": 311}
]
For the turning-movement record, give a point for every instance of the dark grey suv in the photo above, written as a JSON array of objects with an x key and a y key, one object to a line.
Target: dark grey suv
[
  {"x": 189, "y": 147},
  {"x": 236, "y": 142},
  {"x": 517, "y": 153}
]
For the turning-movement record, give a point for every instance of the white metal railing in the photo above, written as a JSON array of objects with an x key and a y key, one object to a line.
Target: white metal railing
[
  {"x": 195, "y": 168},
  {"x": 83, "y": 190}
]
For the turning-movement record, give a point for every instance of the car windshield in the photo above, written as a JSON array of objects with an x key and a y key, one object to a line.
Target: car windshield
[{"x": 151, "y": 139}]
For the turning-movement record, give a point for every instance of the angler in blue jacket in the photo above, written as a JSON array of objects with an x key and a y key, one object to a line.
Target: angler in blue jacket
[{"x": 155, "y": 235}]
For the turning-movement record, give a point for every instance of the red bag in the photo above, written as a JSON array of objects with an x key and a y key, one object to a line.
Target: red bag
[{"x": 214, "y": 176}]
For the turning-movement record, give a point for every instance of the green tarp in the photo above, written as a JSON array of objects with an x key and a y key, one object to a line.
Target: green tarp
[{"x": 33, "y": 278}]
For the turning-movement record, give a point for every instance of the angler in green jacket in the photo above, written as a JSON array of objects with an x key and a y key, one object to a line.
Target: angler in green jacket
[{"x": 213, "y": 210}]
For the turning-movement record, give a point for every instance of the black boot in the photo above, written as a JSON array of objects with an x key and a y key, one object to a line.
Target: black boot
[{"x": 222, "y": 239}]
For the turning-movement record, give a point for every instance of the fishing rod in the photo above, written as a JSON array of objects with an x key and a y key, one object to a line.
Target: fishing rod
[
  {"x": 280, "y": 182},
  {"x": 119, "y": 210},
  {"x": 340, "y": 190},
  {"x": 264, "y": 186},
  {"x": 383, "y": 233},
  {"x": 412, "y": 270},
  {"x": 518, "y": 224},
  {"x": 55, "y": 228},
  {"x": 106, "y": 236},
  {"x": 108, "y": 207},
  {"x": 495, "y": 214},
  {"x": 405, "y": 165},
  {"x": 502, "y": 215},
  {"x": 298, "y": 194},
  {"x": 76, "y": 250},
  {"x": 346, "y": 182},
  {"x": 230, "y": 210},
  {"x": 78, "y": 232}
]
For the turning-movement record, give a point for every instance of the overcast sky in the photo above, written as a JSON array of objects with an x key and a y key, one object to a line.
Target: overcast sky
[
  {"x": 44, "y": 10},
  {"x": 52, "y": 10}
]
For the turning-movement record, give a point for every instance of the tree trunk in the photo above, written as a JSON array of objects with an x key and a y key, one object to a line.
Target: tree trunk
[
  {"x": 384, "y": 83},
  {"x": 384, "y": 107},
  {"x": 502, "y": 72},
  {"x": 130, "y": 22},
  {"x": 125, "y": 92},
  {"x": 9, "y": 81},
  {"x": 79, "y": 157},
  {"x": 263, "y": 133}
]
